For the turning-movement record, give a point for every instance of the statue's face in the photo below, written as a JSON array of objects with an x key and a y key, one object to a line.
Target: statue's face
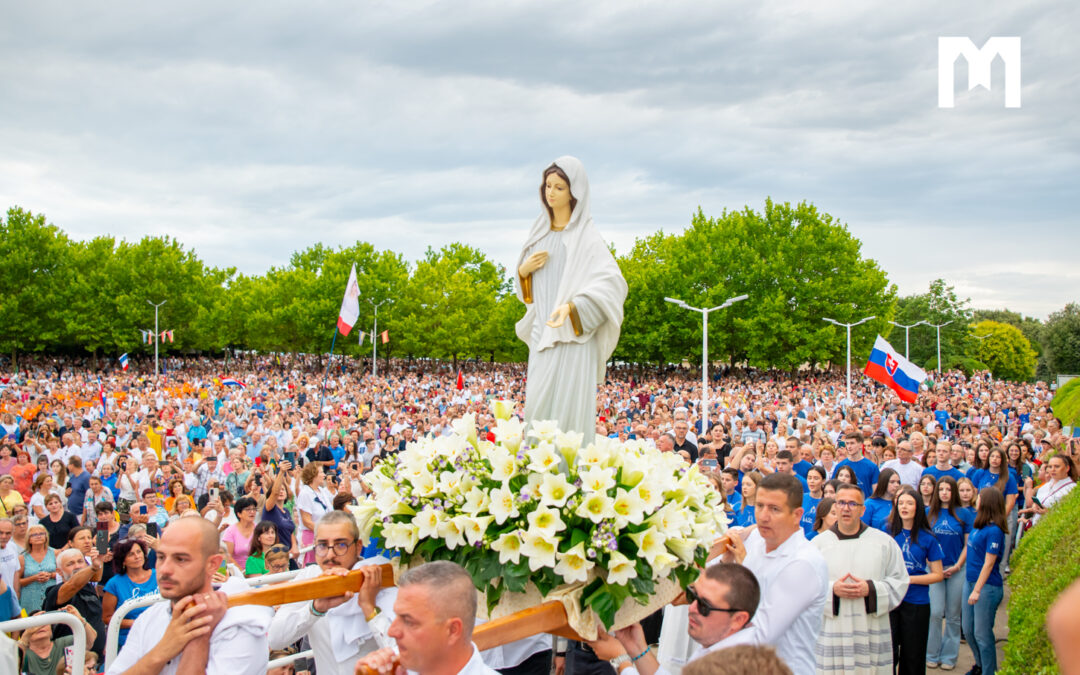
[{"x": 556, "y": 191}]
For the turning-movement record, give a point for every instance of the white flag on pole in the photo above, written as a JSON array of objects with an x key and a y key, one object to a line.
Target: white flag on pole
[{"x": 350, "y": 304}]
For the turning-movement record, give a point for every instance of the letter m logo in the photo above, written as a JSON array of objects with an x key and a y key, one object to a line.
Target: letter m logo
[{"x": 979, "y": 61}]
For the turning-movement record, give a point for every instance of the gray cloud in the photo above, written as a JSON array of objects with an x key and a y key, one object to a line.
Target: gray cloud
[{"x": 249, "y": 131}]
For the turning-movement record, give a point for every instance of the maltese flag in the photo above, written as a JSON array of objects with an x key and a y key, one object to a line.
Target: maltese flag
[
  {"x": 894, "y": 371},
  {"x": 350, "y": 304}
]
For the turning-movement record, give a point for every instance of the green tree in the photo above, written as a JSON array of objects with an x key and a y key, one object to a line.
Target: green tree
[
  {"x": 35, "y": 267},
  {"x": 937, "y": 306},
  {"x": 1004, "y": 350},
  {"x": 1062, "y": 340}
]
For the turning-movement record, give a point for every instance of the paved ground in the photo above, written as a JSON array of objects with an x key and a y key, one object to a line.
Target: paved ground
[{"x": 1001, "y": 630}]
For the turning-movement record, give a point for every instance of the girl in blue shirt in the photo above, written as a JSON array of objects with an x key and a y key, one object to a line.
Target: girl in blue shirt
[
  {"x": 910, "y": 621},
  {"x": 815, "y": 481},
  {"x": 744, "y": 516},
  {"x": 880, "y": 504},
  {"x": 983, "y": 585},
  {"x": 951, "y": 526},
  {"x": 997, "y": 474}
]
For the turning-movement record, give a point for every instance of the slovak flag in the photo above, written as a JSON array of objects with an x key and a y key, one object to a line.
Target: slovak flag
[
  {"x": 894, "y": 371},
  {"x": 350, "y": 304},
  {"x": 230, "y": 382},
  {"x": 123, "y": 361}
]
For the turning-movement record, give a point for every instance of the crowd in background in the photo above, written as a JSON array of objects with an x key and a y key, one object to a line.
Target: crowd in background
[{"x": 92, "y": 470}]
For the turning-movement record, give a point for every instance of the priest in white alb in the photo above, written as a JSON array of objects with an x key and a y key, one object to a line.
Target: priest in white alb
[{"x": 868, "y": 579}]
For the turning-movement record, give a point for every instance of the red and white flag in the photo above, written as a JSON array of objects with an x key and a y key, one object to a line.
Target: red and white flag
[
  {"x": 385, "y": 336},
  {"x": 350, "y": 304}
]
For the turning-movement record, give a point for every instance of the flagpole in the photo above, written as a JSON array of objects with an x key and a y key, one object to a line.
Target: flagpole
[
  {"x": 156, "y": 336},
  {"x": 322, "y": 396}
]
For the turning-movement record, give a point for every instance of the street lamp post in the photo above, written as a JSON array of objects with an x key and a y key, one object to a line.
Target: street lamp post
[
  {"x": 938, "y": 327},
  {"x": 156, "y": 336},
  {"x": 848, "y": 326},
  {"x": 907, "y": 330},
  {"x": 705, "y": 350},
  {"x": 374, "y": 336}
]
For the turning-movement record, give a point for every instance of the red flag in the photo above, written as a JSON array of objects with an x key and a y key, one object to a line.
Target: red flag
[
  {"x": 385, "y": 336},
  {"x": 460, "y": 381}
]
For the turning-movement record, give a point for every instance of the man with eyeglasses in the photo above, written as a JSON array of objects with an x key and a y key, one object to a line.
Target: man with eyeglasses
[
  {"x": 722, "y": 603},
  {"x": 345, "y": 627},
  {"x": 868, "y": 578}
]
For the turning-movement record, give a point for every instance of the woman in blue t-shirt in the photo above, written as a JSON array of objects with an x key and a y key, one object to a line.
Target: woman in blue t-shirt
[
  {"x": 983, "y": 585},
  {"x": 951, "y": 527},
  {"x": 910, "y": 622},
  {"x": 997, "y": 474},
  {"x": 815, "y": 481},
  {"x": 880, "y": 504},
  {"x": 131, "y": 580}
]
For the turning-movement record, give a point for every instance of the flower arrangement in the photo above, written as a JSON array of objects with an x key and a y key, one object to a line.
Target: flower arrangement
[{"x": 615, "y": 518}]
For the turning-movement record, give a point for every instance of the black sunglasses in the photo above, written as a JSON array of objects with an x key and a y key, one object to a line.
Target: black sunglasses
[{"x": 704, "y": 608}]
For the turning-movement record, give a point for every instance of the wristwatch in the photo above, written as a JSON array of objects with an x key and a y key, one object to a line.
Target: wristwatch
[{"x": 619, "y": 660}]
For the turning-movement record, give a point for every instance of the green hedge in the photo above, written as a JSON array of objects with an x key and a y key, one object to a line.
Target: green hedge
[
  {"x": 1045, "y": 563},
  {"x": 1066, "y": 403}
]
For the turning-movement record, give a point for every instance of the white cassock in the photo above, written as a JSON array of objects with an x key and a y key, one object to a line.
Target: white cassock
[
  {"x": 238, "y": 645},
  {"x": 875, "y": 556},
  {"x": 341, "y": 637},
  {"x": 566, "y": 364}
]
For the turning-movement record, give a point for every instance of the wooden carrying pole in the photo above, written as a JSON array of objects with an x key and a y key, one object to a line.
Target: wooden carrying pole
[{"x": 311, "y": 589}]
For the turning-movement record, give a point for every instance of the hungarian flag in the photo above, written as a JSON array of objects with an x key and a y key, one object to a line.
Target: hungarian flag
[
  {"x": 385, "y": 336},
  {"x": 350, "y": 304},
  {"x": 460, "y": 381}
]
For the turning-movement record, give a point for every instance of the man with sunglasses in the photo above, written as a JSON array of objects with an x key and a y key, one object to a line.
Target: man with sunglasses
[
  {"x": 345, "y": 627},
  {"x": 721, "y": 604},
  {"x": 867, "y": 579}
]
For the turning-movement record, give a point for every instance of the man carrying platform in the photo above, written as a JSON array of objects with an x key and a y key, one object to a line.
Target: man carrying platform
[
  {"x": 341, "y": 628},
  {"x": 195, "y": 632},
  {"x": 436, "y": 613}
]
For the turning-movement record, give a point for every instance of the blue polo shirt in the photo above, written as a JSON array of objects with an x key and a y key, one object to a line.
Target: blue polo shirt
[
  {"x": 918, "y": 554},
  {"x": 937, "y": 473},
  {"x": 981, "y": 542}
]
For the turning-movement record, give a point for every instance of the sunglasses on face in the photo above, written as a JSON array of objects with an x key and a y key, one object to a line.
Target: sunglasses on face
[{"x": 704, "y": 608}]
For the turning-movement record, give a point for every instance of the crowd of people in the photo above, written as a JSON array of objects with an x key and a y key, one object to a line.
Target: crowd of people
[{"x": 877, "y": 534}]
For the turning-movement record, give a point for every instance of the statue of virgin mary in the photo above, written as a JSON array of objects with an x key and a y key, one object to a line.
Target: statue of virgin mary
[{"x": 574, "y": 294}]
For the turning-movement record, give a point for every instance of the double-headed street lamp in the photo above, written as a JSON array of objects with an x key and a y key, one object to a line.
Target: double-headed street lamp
[
  {"x": 907, "y": 329},
  {"x": 705, "y": 350},
  {"x": 849, "y": 326}
]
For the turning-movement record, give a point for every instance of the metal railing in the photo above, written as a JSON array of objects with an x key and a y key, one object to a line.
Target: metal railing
[
  {"x": 112, "y": 638},
  {"x": 78, "y": 656}
]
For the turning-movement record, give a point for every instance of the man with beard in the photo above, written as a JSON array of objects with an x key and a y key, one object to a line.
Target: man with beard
[{"x": 194, "y": 632}]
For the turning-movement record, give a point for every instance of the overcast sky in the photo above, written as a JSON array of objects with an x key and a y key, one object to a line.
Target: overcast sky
[{"x": 251, "y": 130}]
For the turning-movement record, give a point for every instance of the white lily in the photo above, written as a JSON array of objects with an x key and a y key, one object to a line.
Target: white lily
[
  {"x": 555, "y": 490},
  {"x": 597, "y": 507},
  {"x": 465, "y": 427},
  {"x": 476, "y": 501},
  {"x": 597, "y": 479},
  {"x": 503, "y": 503},
  {"x": 651, "y": 496},
  {"x": 452, "y": 531},
  {"x": 662, "y": 563},
  {"x": 539, "y": 549},
  {"x": 544, "y": 430},
  {"x": 543, "y": 458},
  {"x": 620, "y": 569},
  {"x": 509, "y": 433},
  {"x": 628, "y": 508},
  {"x": 650, "y": 544},
  {"x": 501, "y": 409},
  {"x": 404, "y": 536},
  {"x": 593, "y": 455},
  {"x": 427, "y": 522},
  {"x": 508, "y": 546},
  {"x": 547, "y": 521},
  {"x": 574, "y": 565},
  {"x": 502, "y": 465},
  {"x": 366, "y": 514},
  {"x": 476, "y": 528},
  {"x": 568, "y": 443},
  {"x": 683, "y": 548}
]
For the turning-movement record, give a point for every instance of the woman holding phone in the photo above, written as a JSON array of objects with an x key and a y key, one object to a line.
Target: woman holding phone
[{"x": 131, "y": 579}]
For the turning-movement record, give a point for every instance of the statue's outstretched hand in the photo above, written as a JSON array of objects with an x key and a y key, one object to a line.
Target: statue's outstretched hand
[
  {"x": 558, "y": 317},
  {"x": 533, "y": 263}
]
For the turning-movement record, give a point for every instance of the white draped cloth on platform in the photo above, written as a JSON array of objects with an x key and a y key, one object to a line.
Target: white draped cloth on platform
[{"x": 564, "y": 368}]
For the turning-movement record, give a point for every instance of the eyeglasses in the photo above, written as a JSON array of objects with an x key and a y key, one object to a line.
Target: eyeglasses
[
  {"x": 704, "y": 608},
  {"x": 340, "y": 547},
  {"x": 848, "y": 505}
]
